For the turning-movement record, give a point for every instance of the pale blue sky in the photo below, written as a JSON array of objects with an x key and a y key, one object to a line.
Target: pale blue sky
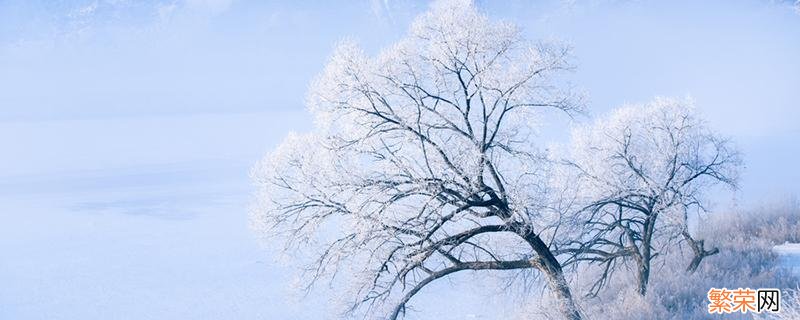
[{"x": 128, "y": 128}]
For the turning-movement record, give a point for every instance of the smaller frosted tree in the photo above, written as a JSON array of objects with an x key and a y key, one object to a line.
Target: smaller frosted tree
[{"x": 643, "y": 171}]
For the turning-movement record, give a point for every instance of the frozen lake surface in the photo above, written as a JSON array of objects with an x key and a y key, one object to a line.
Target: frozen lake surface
[
  {"x": 138, "y": 218},
  {"x": 174, "y": 248},
  {"x": 789, "y": 255},
  {"x": 152, "y": 224}
]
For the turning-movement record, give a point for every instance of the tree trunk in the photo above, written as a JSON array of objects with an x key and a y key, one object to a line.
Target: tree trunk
[
  {"x": 644, "y": 275},
  {"x": 646, "y": 254},
  {"x": 698, "y": 257},
  {"x": 694, "y": 264},
  {"x": 560, "y": 287},
  {"x": 554, "y": 273},
  {"x": 698, "y": 248}
]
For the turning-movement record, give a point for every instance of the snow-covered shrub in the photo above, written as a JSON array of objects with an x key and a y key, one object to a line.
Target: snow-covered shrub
[
  {"x": 745, "y": 239},
  {"x": 790, "y": 307}
]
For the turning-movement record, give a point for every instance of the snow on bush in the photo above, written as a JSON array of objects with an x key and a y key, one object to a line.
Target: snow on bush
[{"x": 745, "y": 238}]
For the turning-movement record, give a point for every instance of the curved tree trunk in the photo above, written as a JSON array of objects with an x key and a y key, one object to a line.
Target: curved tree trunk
[
  {"x": 553, "y": 272},
  {"x": 559, "y": 285}
]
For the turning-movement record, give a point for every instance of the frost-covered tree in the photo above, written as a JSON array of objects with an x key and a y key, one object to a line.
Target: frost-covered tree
[
  {"x": 644, "y": 170},
  {"x": 421, "y": 163}
]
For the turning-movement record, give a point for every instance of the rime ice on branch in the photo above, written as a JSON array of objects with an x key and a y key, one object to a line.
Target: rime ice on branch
[
  {"x": 642, "y": 172},
  {"x": 421, "y": 165}
]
